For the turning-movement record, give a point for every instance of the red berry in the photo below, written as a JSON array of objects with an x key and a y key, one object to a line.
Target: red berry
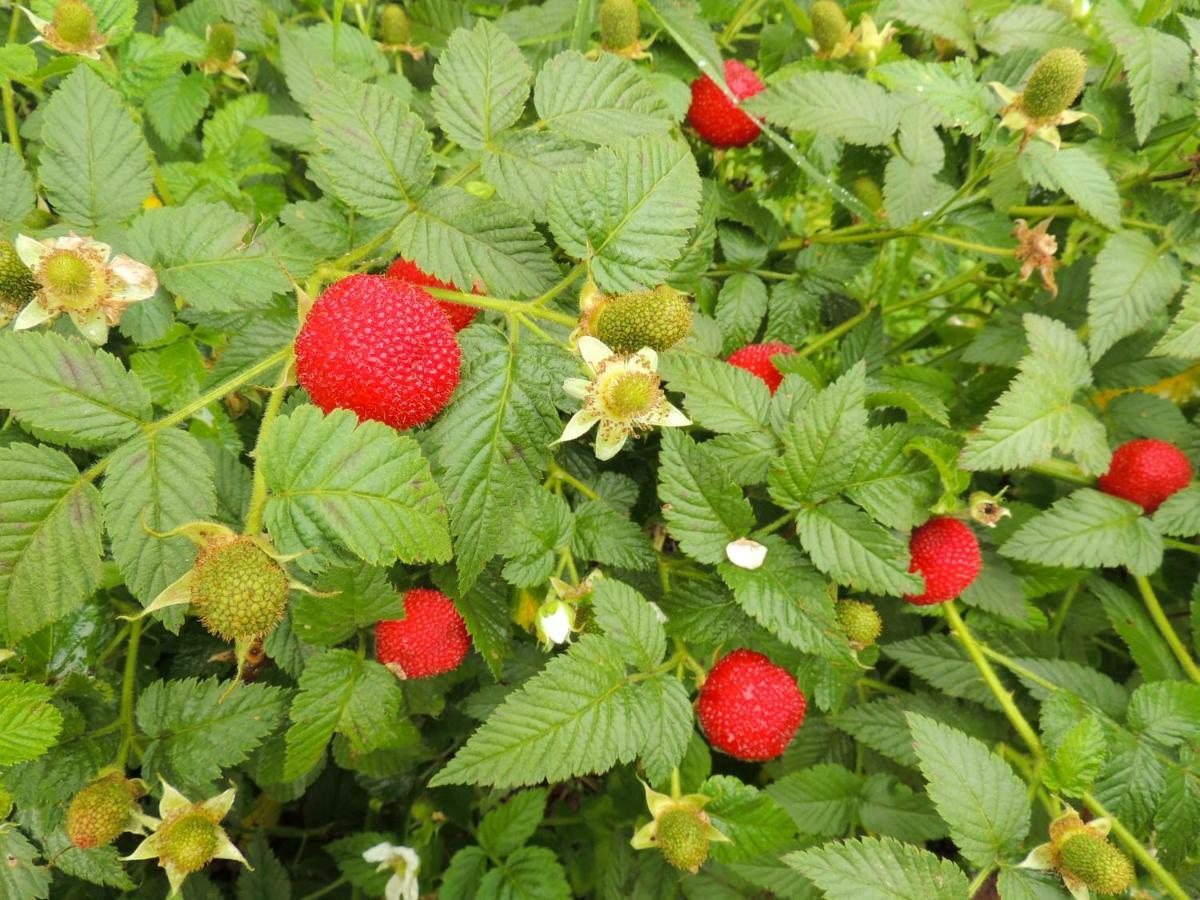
[
  {"x": 379, "y": 347},
  {"x": 749, "y": 707},
  {"x": 406, "y": 270},
  {"x": 717, "y": 119},
  {"x": 431, "y": 638},
  {"x": 1146, "y": 472},
  {"x": 946, "y": 553},
  {"x": 756, "y": 359}
]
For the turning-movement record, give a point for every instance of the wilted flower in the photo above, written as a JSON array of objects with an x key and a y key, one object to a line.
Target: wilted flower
[
  {"x": 1035, "y": 250},
  {"x": 745, "y": 553},
  {"x": 72, "y": 30},
  {"x": 79, "y": 276},
  {"x": 624, "y": 395},
  {"x": 404, "y": 863}
]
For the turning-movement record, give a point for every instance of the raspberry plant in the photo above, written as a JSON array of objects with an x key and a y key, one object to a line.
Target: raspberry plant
[{"x": 790, "y": 479}]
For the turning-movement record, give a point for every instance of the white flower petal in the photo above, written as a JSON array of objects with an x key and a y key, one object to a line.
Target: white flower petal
[
  {"x": 581, "y": 423},
  {"x": 220, "y": 805},
  {"x": 393, "y": 890},
  {"x": 674, "y": 418},
  {"x": 31, "y": 316},
  {"x": 745, "y": 553},
  {"x": 609, "y": 442},
  {"x": 647, "y": 359},
  {"x": 1040, "y": 857},
  {"x": 92, "y": 325},
  {"x": 577, "y": 387},
  {"x": 593, "y": 350},
  {"x": 30, "y": 250},
  {"x": 380, "y": 853},
  {"x": 172, "y": 801},
  {"x": 227, "y": 849},
  {"x": 554, "y": 621},
  {"x": 139, "y": 281}
]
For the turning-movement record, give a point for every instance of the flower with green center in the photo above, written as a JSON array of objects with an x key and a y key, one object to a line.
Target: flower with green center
[
  {"x": 80, "y": 277},
  {"x": 221, "y": 53},
  {"x": 1084, "y": 858},
  {"x": 404, "y": 865},
  {"x": 1055, "y": 83},
  {"x": 679, "y": 828},
  {"x": 624, "y": 397},
  {"x": 73, "y": 29},
  {"x": 189, "y": 836}
]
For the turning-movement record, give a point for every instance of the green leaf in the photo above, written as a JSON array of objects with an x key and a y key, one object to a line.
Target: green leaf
[
  {"x": 482, "y": 84},
  {"x": 1167, "y": 713},
  {"x": 894, "y": 484},
  {"x": 1132, "y": 282},
  {"x": 269, "y": 878},
  {"x": 832, "y": 104},
  {"x": 1088, "y": 529},
  {"x": 533, "y": 872},
  {"x": 29, "y": 724},
  {"x": 629, "y": 623},
  {"x": 853, "y": 550},
  {"x": 1077, "y": 759},
  {"x": 717, "y": 396},
  {"x": 511, "y": 824},
  {"x": 664, "y": 712},
  {"x": 155, "y": 483},
  {"x": 16, "y": 188},
  {"x": 945, "y": 18},
  {"x": 20, "y": 876},
  {"x": 822, "y": 800},
  {"x": 741, "y": 306},
  {"x": 751, "y": 818},
  {"x": 461, "y": 879},
  {"x": 194, "y": 734},
  {"x": 524, "y": 164},
  {"x": 627, "y": 210},
  {"x": 1129, "y": 619},
  {"x": 311, "y": 55},
  {"x": 703, "y": 509},
  {"x": 62, "y": 385},
  {"x": 95, "y": 165},
  {"x": 1077, "y": 172},
  {"x": 574, "y": 717},
  {"x": 948, "y": 90},
  {"x": 1183, "y": 337},
  {"x": 600, "y": 101},
  {"x": 176, "y": 106},
  {"x": 682, "y": 19},
  {"x": 485, "y": 608},
  {"x": 879, "y": 869},
  {"x": 50, "y": 538},
  {"x": 1156, "y": 64},
  {"x": 362, "y": 596},
  {"x": 609, "y": 537},
  {"x": 979, "y": 796},
  {"x": 334, "y": 480},
  {"x": 942, "y": 661},
  {"x": 910, "y": 186},
  {"x": 1029, "y": 28},
  {"x": 1179, "y": 515}
]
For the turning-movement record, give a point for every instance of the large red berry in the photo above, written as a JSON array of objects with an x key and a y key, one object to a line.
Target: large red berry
[
  {"x": 380, "y": 347},
  {"x": 717, "y": 118},
  {"x": 1146, "y": 472},
  {"x": 945, "y": 552},
  {"x": 749, "y": 707},
  {"x": 756, "y": 359},
  {"x": 431, "y": 638},
  {"x": 406, "y": 270}
]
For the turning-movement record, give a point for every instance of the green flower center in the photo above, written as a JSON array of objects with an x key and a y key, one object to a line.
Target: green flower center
[
  {"x": 71, "y": 278},
  {"x": 75, "y": 22},
  {"x": 629, "y": 394}
]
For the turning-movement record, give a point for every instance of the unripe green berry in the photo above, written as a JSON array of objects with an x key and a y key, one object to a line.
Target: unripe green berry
[
  {"x": 619, "y": 24},
  {"x": 189, "y": 842},
  {"x": 101, "y": 811},
  {"x": 860, "y": 622},
  {"x": 75, "y": 23},
  {"x": 17, "y": 284},
  {"x": 239, "y": 591},
  {"x": 681, "y": 837},
  {"x": 394, "y": 25},
  {"x": 222, "y": 42},
  {"x": 658, "y": 319},
  {"x": 829, "y": 24},
  {"x": 867, "y": 190},
  {"x": 1056, "y": 81},
  {"x": 1096, "y": 862}
]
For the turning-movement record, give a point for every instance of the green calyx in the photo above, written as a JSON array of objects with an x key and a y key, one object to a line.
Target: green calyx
[
  {"x": 394, "y": 26},
  {"x": 75, "y": 23},
  {"x": 189, "y": 842},
  {"x": 619, "y": 24},
  {"x": 1092, "y": 859},
  {"x": 860, "y": 622},
  {"x": 829, "y": 25},
  {"x": 17, "y": 284},
  {"x": 239, "y": 591},
  {"x": 683, "y": 838},
  {"x": 658, "y": 319},
  {"x": 1056, "y": 81},
  {"x": 101, "y": 811},
  {"x": 222, "y": 42}
]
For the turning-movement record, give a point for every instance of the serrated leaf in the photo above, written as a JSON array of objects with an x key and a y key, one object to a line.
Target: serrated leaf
[
  {"x": 629, "y": 623},
  {"x": 948, "y": 90},
  {"x": 310, "y": 55},
  {"x": 609, "y": 537},
  {"x": 1167, "y": 713},
  {"x": 20, "y": 876},
  {"x": 524, "y": 164},
  {"x": 1183, "y": 337},
  {"x": 176, "y": 106},
  {"x": 1077, "y": 759},
  {"x": 1028, "y": 27},
  {"x": 741, "y": 306},
  {"x": 599, "y": 101},
  {"x": 29, "y": 724},
  {"x": 1179, "y": 515},
  {"x": 879, "y": 869},
  {"x": 664, "y": 710},
  {"x": 16, "y": 187},
  {"x": 1156, "y": 64},
  {"x": 362, "y": 596},
  {"x": 336, "y": 481},
  {"x": 945, "y": 18},
  {"x": 718, "y": 396},
  {"x": 1078, "y": 173},
  {"x": 1132, "y": 282},
  {"x": 894, "y": 484},
  {"x": 821, "y": 800},
  {"x": 832, "y": 104},
  {"x": 510, "y": 825},
  {"x": 751, "y": 818},
  {"x": 850, "y": 548},
  {"x": 482, "y": 83},
  {"x": 1132, "y": 623},
  {"x": 530, "y": 872},
  {"x": 940, "y": 660},
  {"x": 910, "y": 186},
  {"x": 485, "y": 609}
]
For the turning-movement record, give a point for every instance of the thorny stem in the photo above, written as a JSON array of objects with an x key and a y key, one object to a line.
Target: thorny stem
[
  {"x": 258, "y": 493},
  {"x": 1166, "y": 629},
  {"x": 127, "y": 689}
]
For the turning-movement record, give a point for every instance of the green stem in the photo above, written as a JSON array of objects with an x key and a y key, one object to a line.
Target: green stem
[
  {"x": 505, "y": 306},
  {"x": 834, "y": 333},
  {"x": 978, "y": 881},
  {"x": 558, "y": 473},
  {"x": 1166, "y": 629},
  {"x": 566, "y": 281},
  {"x": 953, "y": 284},
  {"x": 258, "y": 493},
  {"x": 225, "y": 387},
  {"x": 892, "y": 234},
  {"x": 10, "y": 115},
  {"x": 128, "y": 683},
  {"x": 1134, "y": 846},
  {"x": 1181, "y": 545},
  {"x": 328, "y": 889}
]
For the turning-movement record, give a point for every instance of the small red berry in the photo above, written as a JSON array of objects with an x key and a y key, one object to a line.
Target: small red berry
[
  {"x": 431, "y": 638},
  {"x": 380, "y": 347},
  {"x": 749, "y": 707},
  {"x": 945, "y": 552},
  {"x": 406, "y": 270},
  {"x": 1146, "y": 472},
  {"x": 756, "y": 359},
  {"x": 715, "y": 117}
]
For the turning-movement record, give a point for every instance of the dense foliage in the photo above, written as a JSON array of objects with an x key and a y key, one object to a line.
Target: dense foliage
[{"x": 760, "y": 535}]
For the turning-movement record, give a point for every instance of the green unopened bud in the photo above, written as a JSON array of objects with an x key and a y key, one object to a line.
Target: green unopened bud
[
  {"x": 619, "y": 24},
  {"x": 829, "y": 25},
  {"x": 658, "y": 319},
  {"x": 1096, "y": 862},
  {"x": 222, "y": 41},
  {"x": 1056, "y": 81},
  {"x": 394, "y": 26},
  {"x": 75, "y": 23}
]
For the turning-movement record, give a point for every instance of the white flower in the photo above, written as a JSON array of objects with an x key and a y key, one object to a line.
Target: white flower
[
  {"x": 80, "y": 277},
  {"x": 624, "y": 395},
  {"x": 404, "y": 863},
  {"x": 73, "y": 30},
  {"x": 555, "y": 622},
  {"x": 745, "y": 553}
]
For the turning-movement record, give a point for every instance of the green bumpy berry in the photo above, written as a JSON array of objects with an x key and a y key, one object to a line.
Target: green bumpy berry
[
  {"x": 681, "y": 837},
  {"x": 860, "y": 622},
  {"x": 658, "y": 319},
  {"x": 189, "y": 842},
  {"x": 619, "y": 24},
  {"x": 829, "y": 24},
  {"x": 394, "y": 26},
  {"x": 1096, "y": 862},
  {"x": 75, "y": 23},
  {"x": 17, "y": 284},
  {"x": 239, "y": 591},
  {"x": 222, "y": 41},
  {"x": 100, "y": 812},
  {"x": 1056, "y": 81}
]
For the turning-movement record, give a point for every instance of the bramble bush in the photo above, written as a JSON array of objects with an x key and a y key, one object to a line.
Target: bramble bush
[{"x": 705, "y": 448}]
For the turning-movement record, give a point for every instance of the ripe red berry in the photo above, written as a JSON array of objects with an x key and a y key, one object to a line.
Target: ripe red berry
[
  {"x": 380, "y": 347},
  {"x": 756, "y": 359},
  {"x": 717, "y": 119},
  {"x": 406, "y": 270},
  {"x": 431, "y": 638},
  {"x": 945, "y": 552},
  {"x": 1146, "y": 472},
  {"x": 749, "y": 707}
]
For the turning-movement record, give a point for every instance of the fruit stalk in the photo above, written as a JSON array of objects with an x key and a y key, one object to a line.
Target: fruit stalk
[
  {"x": 507, "y": 307},
  {"x": 128, "y": 683},
  {"x": 1166, "y": 629},
  {"x": 258, "y": 492}
]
